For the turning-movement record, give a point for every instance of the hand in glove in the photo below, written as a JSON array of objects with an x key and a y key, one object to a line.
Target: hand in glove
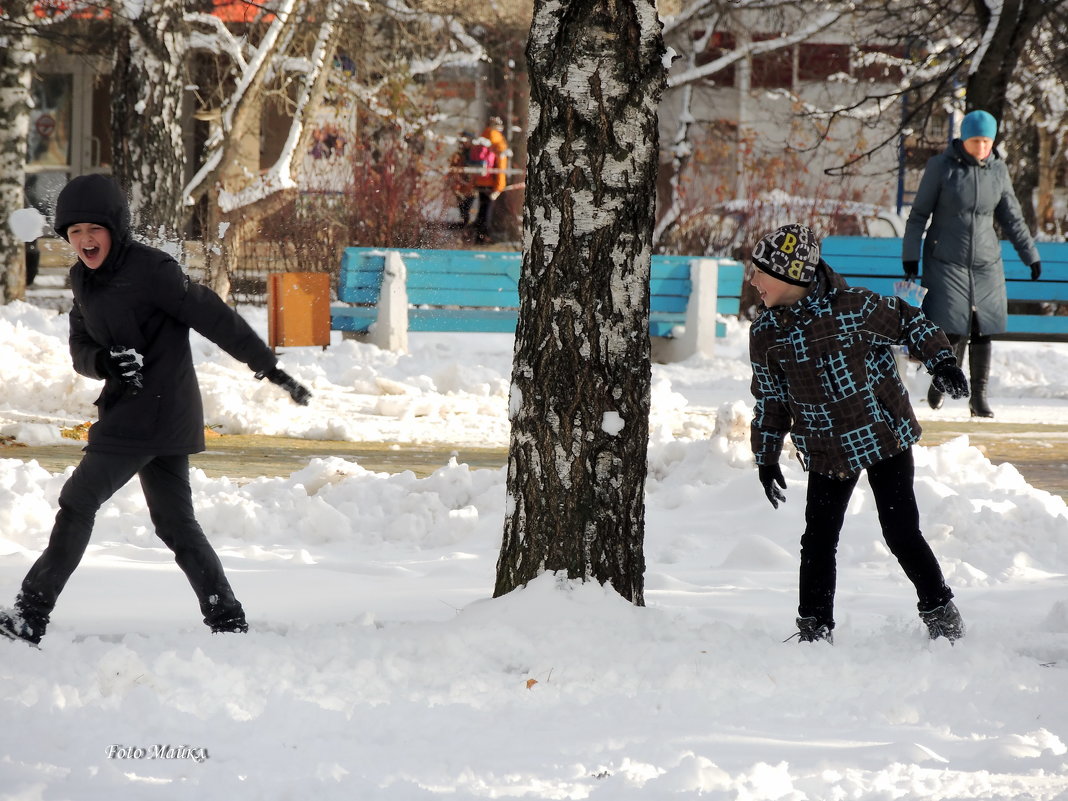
[
  {"x": 124, "y": 365},
  {"x": 949, "y": 380},
  {"x": 1036, "y": 270},
  {"x": 911, "y": 269},
  {"x": 770, "y": 475},
  {"x": 298, "y": 392}
]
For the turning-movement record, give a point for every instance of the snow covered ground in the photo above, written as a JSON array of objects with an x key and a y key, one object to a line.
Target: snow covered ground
[{"x": 378, "y": 668}]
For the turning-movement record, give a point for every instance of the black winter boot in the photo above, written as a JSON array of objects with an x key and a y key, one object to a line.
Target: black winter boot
[
  {"x": 234, "y": 625},
  {"x": 979, "y": 362},
  {"x": 28, "y": 620},
  {"x": 223, "y": 612},
  {"x": 944, "y": 621},
  {"x": 14, "y": 627},
  {"x": 809, "y": 629},
  {"x": 958, "y": 343}
]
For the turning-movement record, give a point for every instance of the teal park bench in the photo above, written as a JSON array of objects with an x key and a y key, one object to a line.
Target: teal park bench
[
  {"x": 876, "y": 264},
  {"x": 391, "y": 292}
]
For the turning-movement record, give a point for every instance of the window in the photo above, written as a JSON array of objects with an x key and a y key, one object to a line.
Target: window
[
  {"x": 774, "y": 69},
  {"x": 818, "y": 62},
  {"x": 719, "y": 44},
  {"x": 50, "y": 121}
]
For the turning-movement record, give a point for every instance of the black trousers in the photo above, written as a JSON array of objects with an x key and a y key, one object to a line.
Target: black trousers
[
  {"x": 891, "y": 483},
  {"x": 484, "y": 217},
  {"x": 464, "y": 204},
  {"x": 165, "y": 481}
]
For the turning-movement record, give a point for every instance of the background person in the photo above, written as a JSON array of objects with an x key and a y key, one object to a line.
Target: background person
[
  {"x": 133, "y": 309},
  {"x": 462, "y": 179},
  {"x": 491, "y": 184},
  {"x": 962, "y": 192}
]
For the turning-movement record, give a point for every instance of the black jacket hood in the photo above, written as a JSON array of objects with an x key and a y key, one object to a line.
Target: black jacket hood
[{"x": 95, "y": 199}]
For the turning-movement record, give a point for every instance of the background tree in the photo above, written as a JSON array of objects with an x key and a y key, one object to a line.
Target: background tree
[
  {"x": 978, "y": 46},
  {"x": 913, "y": 65},
  {"x": 692, "y": 29},
  {"x": 1006, "y": 28},
  {"x": 149, "y": 81},
  {"x": 937, "y": 50},
  {"x": 17, "y": 57},
  {"x": 291, "y": 65},
  {"x": 1036, "y": 110},
  {"x": 237, "y": 191},
  {"x": 581, "y": 373}
]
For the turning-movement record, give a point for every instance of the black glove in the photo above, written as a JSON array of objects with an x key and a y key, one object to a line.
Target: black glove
[
  {"x": 298, "y": 392},
  {"x": 770, "y": 475},
  {"x": 949, "y": 380},
  {"x": 1036, "y": 270},
  {"x": 124, "y": 365},
  {"x": 912, "y": 270}
]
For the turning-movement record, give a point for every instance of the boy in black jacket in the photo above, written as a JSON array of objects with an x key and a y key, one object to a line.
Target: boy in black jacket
[
  {"x": 133, "y": 308},
  {"x": 824, "y": 372}
]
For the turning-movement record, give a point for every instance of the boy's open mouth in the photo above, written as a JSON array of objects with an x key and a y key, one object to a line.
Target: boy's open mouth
[{"x": 91, "y": 250}]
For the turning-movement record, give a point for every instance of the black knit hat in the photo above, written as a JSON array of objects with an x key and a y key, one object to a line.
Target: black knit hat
[
  {"x": 790, "y": 253},
  {"x": 96, "y": 199}
]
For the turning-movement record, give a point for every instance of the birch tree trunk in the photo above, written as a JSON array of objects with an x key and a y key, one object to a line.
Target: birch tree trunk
[
  {"x": 146, "y": 118},
  {"x": 681, "y": 148},
  {"x": 580, "y": 378},
  {"x": 17, "y": 57},
  {"x": 240, "y": 193}
]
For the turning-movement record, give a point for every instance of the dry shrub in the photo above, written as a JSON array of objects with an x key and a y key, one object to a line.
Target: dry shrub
[
  {"x": 393, "y": 201},
  {"x": 396, "y": 192},
  {"x": 714, "y": 224}
]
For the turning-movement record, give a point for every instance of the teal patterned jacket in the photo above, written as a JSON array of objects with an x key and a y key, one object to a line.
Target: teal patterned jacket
[{"x": 824, "y": 372}]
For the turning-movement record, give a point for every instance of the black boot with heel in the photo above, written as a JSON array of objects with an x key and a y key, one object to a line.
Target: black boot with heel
[{"x": 979, "y": 362}]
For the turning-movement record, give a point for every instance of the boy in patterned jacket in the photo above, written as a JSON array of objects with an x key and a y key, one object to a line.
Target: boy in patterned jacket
[{"x": 824, "y": 372}]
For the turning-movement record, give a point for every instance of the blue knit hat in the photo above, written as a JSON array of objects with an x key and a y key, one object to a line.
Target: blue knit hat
[{"x": 978, "y": 123}]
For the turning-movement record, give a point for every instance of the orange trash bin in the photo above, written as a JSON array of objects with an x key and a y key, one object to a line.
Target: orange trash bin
[{"x": 298, "y": 309}]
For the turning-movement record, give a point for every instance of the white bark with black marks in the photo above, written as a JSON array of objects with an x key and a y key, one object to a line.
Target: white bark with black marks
[
  {"x": 581, "y": 374},
  {"x": 148, "y": 85},
  {"x": 17, "y": 58}
]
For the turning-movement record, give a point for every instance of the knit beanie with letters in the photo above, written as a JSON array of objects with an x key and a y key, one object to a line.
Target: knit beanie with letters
[{"x": 790, "y": 253}]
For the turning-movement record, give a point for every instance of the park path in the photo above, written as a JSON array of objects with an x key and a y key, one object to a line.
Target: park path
[{"x": 1039, "y": 452}]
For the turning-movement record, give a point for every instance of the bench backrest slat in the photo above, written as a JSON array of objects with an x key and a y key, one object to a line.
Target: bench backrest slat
[
  {"x": 481, "y": 288},
  {"x": 463, "y": 296},
  {"x": 863, "y": 256},
  {"x": 876, "y": 264},
  {"x": 491, "y": 278}
]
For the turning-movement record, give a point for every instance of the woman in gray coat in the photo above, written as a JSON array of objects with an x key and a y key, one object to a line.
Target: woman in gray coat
[{"x": 963, "y": 191}]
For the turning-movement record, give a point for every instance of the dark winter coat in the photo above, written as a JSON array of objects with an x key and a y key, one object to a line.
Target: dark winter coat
[
  {"x": 140, "y": 298},
  {"x": 962, "y": 266},
  {"x": 824, "y": 372}
]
